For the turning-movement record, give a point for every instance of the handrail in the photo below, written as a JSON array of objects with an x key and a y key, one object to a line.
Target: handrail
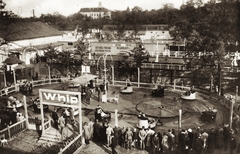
[
  {"x": 14, "y": 129},
  {"x": 15, "y": 88},
  {"x": 72, "y": 145}
]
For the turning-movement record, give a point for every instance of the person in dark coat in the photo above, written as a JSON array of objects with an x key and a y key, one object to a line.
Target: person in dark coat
[
  {"x": 103, "y": 135},
  {"x": 186, "y": 144},
  {"x": 219, "y": 138},
  {"x": 199, "y": 144},
  {"x": 38, "y": 124},
  {"x": 135, "y": 138},
  {"x": 116, "y": 133},
  {"x": 181, "y": 140},
  {"x": 191, "y": 138},
  {"x": 114, "y": 141},
  {"x": 233, "y": 144},
  {"x": 211, "y": 140},
  {"x": 96, "y": 131},
  {"x": 226, "y": 137},
  {"x": 13, "y": 116},
  {"x": 160, "y": 141},
  {"x": 55, "y": 118},
  {"x": 155, "y": 143}
]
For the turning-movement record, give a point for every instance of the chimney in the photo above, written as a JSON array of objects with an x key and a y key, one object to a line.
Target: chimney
[
  {"x": 100, "y": 4},
  {"x": 33, "y": 13}
]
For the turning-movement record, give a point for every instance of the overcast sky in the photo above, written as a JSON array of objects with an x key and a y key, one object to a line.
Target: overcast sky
[{"x": 66, "y": 7}]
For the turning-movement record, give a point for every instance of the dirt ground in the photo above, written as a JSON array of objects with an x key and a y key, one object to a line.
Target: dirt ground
[{"x": 128, "y": 111}]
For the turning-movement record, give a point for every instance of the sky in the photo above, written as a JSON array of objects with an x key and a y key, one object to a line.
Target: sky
[{"x": 24, "y": 8}]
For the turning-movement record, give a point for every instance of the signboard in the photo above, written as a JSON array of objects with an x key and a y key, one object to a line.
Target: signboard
[{"x": 60, "y": 98}]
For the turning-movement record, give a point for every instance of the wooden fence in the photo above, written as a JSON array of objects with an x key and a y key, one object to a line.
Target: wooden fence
[
  {"x": 10, "y": 131},
  {"x": 15, "y": 88}
]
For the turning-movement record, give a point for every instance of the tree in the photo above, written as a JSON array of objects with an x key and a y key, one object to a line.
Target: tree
[
  {"x": 206, "y": 29},
  {"x": 140, "y": 55}
]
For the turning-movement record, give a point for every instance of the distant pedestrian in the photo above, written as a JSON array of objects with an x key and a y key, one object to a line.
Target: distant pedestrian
[
  {"x": 135, "y": 138},
  {"x": 128, "y": 138},
  {"x": 62, "y": 123},
  {"x": 165, "y": 143},
  {"x": 109, "y": 131},
  {"x": 55, "y": 118},
  {"x": 86, "y": 132},
  {"x": 96, "y": 131},
  {"x": 38, "y": 124},
  {"x": 199, "y": 144},
  {"x": 205, "y": 139},
  {"x": 233, "y": 144},
  {"x": 226, "y": 136},
  {"x": 91, "y": 128},
  {"x": 99, "y": 94},
  {"x": 155, "y": 143},
  {"x": 114, "y": 144},
  {"x": 116, "y": 133},
  {"x": 142, "y": 135}
]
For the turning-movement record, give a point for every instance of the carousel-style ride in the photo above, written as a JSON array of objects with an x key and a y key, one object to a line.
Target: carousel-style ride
[
  {"x": 146, "y": 122},
  {"x": 14, "y": 102},
  {"x": 189, "y": 95},
  {"x": 208, "y": 115},
  {"x": 102, "y": 115},
  {"x": 128, "y": 89},
  {"x": 159, "y": 92}
]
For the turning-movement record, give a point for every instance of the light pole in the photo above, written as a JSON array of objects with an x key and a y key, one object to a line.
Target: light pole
[
  {"x": 105, "y": 70},
  {"x": 157, "y": 53}
]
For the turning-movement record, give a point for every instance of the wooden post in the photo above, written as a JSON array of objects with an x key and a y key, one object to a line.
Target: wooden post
[
  {"x": 138, "y": 77},
  {"x": 180, "y": 119},
  {"x": 25, "y": 110},
  {"x": 113, "y": 75},
  {"x": 9, "y": 133},
  {"x": 116, "y": 117},
  {"x": 80, "y": 113},
  {"x": 42, "y": 114},
  {"x": 14, "y": 79}
]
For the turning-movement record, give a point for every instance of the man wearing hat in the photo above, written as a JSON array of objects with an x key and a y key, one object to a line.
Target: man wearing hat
[{"x": 109, "y": 131}]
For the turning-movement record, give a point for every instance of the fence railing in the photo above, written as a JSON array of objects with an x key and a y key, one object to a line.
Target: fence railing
[
  {"x": 72, "y": 146},
  {"x": 14, "y": 129},
  {"x": 164, "y": 66},
  {"x": 15, "y": 88},
  {"x": 32, "y": 123}
]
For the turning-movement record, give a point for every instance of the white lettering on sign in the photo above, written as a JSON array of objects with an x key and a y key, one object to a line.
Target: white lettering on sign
[{"x": 61, "y": 98}]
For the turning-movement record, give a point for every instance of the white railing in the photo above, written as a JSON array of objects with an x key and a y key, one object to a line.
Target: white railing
[
  {"x": 14, "y": 129},
  {"x": 164, "y": 66},
  {"x": 72, "y": 146},
  {"x": 15, "y": 88}
]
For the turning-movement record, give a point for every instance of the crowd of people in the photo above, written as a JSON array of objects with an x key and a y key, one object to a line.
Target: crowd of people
[
  {"x": 9, "y": 116},
  {"x": 183, "y": 141}
]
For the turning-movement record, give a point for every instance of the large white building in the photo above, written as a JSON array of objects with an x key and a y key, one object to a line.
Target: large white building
[{"x": 96, "y": 12}]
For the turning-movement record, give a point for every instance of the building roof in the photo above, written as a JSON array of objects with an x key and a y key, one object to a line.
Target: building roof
[
  {"x": 94, "y": 9},
  {"x": 160, "y": 27},
  {"x": 28, "y": 30}
]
